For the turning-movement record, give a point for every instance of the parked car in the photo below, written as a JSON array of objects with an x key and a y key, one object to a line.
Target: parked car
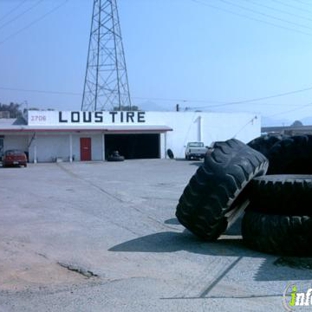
[
  {"x": 14, "y": 157},
  {"x": 195, "y": 150}
]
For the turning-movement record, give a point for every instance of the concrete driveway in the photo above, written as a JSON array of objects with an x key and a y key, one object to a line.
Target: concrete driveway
[{"x": 102, "y": 236}]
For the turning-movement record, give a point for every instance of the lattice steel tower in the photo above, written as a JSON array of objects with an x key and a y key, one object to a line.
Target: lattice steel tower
[{"x": 106, "y": 81}]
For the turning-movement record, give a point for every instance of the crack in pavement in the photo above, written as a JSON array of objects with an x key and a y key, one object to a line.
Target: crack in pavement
[
  {"x": 77, "y": 269},
  {"x": 72, "y": 174}
]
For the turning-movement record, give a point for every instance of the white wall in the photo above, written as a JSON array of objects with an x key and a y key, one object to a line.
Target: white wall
[
  {"x": 97, "y": 145},
  {"x": 49, "y": 147},
  {"x": 207, "y": 127},
  {"x": 15, "y": 142}
]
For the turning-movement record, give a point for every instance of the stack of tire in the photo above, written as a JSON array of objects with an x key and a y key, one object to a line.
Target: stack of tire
[
  {"x": 278, "y": 219},
  {"x": 269, "y": 179}
]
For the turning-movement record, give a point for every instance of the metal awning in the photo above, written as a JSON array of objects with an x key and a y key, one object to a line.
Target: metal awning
[
  {"x": 103, "y": 129},
  {"x": 137, "y": 129}
]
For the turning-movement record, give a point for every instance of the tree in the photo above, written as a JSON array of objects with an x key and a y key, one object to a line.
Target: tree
[
  {"x": 126, "y": 108},
  {"x": 13, "y": 109},
  {"x": 297, "y": 123}
]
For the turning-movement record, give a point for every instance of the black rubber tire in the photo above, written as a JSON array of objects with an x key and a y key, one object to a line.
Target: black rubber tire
[
  {"x": 281, "y": 194},
  {"x": 264, "y": 143},
  {"x": 213, "y": 191},
  {"x": 115, "y": 158},
  {"x": 275, "y": 234},
  {"x": 292, "y": 155},
  {"x": 170, "y": 153}
]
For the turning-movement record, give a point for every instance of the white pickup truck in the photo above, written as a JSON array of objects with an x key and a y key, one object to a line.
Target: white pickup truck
[{"x": 196, "y": 150}]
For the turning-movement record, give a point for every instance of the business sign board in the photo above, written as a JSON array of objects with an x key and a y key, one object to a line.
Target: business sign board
[{"x": 85, "y": 118}]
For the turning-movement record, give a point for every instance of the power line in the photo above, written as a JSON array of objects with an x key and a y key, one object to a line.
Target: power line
[
  {"x": 292, "y": 6},
  {"x": 34, "y": 22},
  {"x": 79, "y": 94},
  {"x": 278, "y": 10},
  {"x": 21, "y": 14},
  {"x": 264, "y": 14},
  {"x": 253, "y": 18},
  {"x": 258, "y": 99},
  {"x": 179, "y": 100},
  {"x": 305, "y": 3},
  {"x": 292, "y": 110},
  {"x": 14, "y": 9},
  {"x": 40, "y": 91},
  {"x": 174, "y": 99}
]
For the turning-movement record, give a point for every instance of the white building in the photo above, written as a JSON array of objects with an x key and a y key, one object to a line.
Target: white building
[{"x": 83, "y": 136}]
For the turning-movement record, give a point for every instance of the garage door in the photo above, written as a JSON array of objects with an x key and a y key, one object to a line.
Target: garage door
[{"x": 133, "y": 146}]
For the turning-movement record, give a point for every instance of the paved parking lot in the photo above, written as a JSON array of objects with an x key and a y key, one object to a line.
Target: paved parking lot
[{"x": 103, "y": 236}]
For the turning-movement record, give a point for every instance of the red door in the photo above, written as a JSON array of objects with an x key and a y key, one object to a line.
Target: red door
[{"x": 85, "y": 149}]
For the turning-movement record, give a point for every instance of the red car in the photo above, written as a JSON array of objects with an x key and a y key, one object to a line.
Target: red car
[{"x": 14, "y": 158}]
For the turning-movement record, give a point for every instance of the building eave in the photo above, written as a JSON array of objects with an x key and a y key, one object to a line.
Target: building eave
[{"x": 105, "y": 129}]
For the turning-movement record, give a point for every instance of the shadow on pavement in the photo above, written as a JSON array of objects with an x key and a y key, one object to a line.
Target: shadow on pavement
[
  {"x": 234, "y": 229},
  {"x": 273, "y": 268},
  {"x": 197, "y": 163},
  {"x": 172, "y": 221}
]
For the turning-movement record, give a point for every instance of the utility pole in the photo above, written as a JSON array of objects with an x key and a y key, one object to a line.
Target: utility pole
[{"x": 106, "y": 81}]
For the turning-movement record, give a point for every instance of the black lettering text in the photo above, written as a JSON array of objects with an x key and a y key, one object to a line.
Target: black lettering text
[
  {"x": 113, "y": 116},
  {"x": 130, "y": 116},
  {"x": 75, "y": 117},
  {"x": 87, "y": 117},
  {"x": 141, "y": 116},
  {"x": 98, "y": 117},
  {"x": 61, "y": 118}
]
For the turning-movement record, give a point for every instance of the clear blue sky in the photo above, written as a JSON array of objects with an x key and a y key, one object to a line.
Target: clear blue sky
[{"x": 213, "y": 55}]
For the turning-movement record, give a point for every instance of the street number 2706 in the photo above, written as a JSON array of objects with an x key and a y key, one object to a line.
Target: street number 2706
[{"x": 38, "y": 118}]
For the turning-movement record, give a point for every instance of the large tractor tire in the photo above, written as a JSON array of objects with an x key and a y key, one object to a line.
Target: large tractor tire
[
  {"x": 214, "y": 195},
  {"x": 281, "y": 194},
  {"x": 292, "y": 155},
  {"x": 278, "y": 234},
  {"x": 264, "y": 143}
]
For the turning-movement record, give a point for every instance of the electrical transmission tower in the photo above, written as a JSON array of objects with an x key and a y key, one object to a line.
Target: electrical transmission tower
[{"x": 106, "y": 82}]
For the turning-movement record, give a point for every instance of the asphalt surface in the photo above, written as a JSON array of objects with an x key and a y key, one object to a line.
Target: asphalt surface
[{"x": 102, "y": 236}]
